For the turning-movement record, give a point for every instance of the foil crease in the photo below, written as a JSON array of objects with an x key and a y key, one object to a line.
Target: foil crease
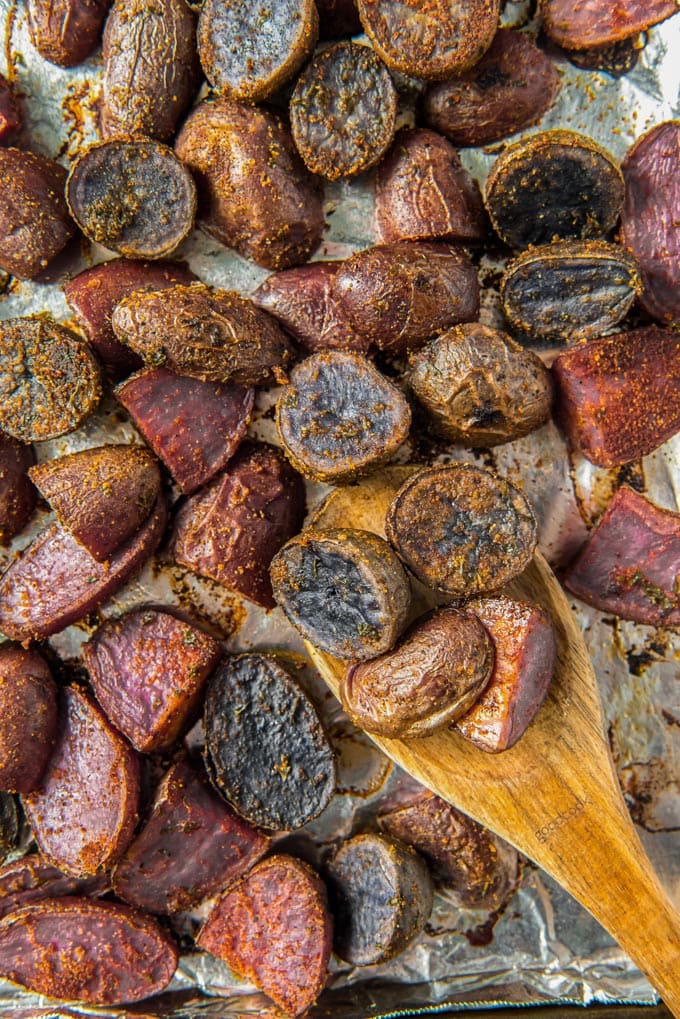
[{"x": 545, "y": 947}]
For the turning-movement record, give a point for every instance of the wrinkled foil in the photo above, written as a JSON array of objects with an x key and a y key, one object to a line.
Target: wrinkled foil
[{"x": 545, "y": 947}]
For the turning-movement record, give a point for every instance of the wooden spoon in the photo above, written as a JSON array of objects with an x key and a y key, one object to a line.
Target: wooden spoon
[{"x": 554, "y": 795}]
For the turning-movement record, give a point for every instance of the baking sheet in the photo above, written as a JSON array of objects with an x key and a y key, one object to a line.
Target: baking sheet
[{"x": 545, "y": 947}]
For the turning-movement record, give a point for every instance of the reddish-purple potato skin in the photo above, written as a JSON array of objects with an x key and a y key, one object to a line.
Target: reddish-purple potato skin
[
  {"x": 256, "y": 195},
  {"x": 56, "y": 582},
  {"x": 423, "y": 191},
  {"x": 17, "y": 495},
  {"x": 28, "y": 718},
  {"x": 510, "y": 88},
  {"x": 588, "y": 23},
  {"x": 29, "y": 880},
  {"x": 303, "y": 300},
  {"x": 102, "y": 496},
  {"x": 35, "y": 223},
  {"x": 85, "y": 812},
  {"x": 192, "y": 846},
  {"x": 147, "y": 670},
  {"x": 151, "y": 69},
  {"x": 400, "y": 295},
  {"x": 93, "y": 294},
  {"x": 650, "y": 217},
  {"x": 10, "y": 115},
  {"x": 97, "y": 952},
  {"x": 613, "y": 394},
  {"x": 273, "y": 927},
  {"x": 525, "y": 652},
  {"x": 194, "y": 427},
  {"x": 66, "y": 32},
  {"x": 231, "y": 530},
  {"x": 631, "y": 562}
]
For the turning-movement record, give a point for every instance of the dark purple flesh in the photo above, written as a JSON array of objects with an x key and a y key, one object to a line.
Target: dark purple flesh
[
  {"x": 28, "y": 718},
  {"x": 30, "y": 879},
  {"x": 17, "y": 495}
]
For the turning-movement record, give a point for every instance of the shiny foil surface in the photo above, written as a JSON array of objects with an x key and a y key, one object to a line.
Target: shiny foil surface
[{"x": 544, "y": 948}]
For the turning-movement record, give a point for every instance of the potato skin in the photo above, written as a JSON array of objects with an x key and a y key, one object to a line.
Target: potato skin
[
  {"x": 101, "y": 495},
  {"x": 28, "y": 718},
  {"x": 479, "y": 387},
  {"x": 17, "y": 495},
  {"x": 85, "y": 811},
  {"x": 273, "y": 927},
  {"x": 650, "y": 217},
  {"x": 35, "y": 223},
  {"x": 29, "y": 879},
  {"x": 255, "y": 193},
  {"x": 400, "y": 295},
  {"x": 423, "y": 191},
  {"x": 66, "y": 32},
  {"x": 381, "y": 896},
  {"x": 93, "y": 294},
  {"x": 478, "y": 869},
  {"x": 612, "y": 394},
  {"x": 523, "y": 638},
  {"x": 212, "y": 335},
  {"x": 434, "y": 675},
  {"x": 151, "y": 69},
  {"x": 87, "y": 951},
  {"x": 10, "y": 114},
  {"x": 345, "y": 590},
  {"x": 510, "y": 88}
]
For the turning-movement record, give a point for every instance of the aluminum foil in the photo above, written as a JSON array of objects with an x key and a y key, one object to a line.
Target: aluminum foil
[{"x": 545, "y": 947}]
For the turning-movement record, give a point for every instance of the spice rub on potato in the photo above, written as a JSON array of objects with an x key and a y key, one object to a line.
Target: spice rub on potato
[
  {"x": 17, "y": 495},
  {"x": 66, "y": 32},
  {"x": 478, "y": 869},
  {"x": 381, "y": 893},
  {"x": 55, "y": 581},
  {"x": 29, "y": 879},
  {"x": 343, "y": 111},
  {"x": 231, "y": 530},
  {"x": 461, "y": 529},
  {"x": 554, "y": 185},
  {"x": 273, "y": 928},
  {"x": 151, "y": 69},
  {"x": 265, "y": 749},
  {"x": 191, "y": 846},
  {"x": 35, "y": 224},
  {"x": 101, "y": 496},
  {"x": 339, "y": 417},
  {"x": 28, "y": 718},
  {"x": 193, "y": 427},
  {"x": 49, "y": 379},
  {"x": 650, "y": 216},
  {"x": 97, "y": 952},
  {"x": 613, "y": 394},
  {"x": 400, "y": 295},
  {"x": 510, "y": 88},
  {"x": 598, "y": 22},
  {"x": 344, "y": 590},
  {"x": 250, "y": 50},
  {"x": 435, "y": 41},
  {"x": 432, "y": 677},
  {"x": 256, "y": 195},
  {"x": 93, "y": 294},
  {"x": 525, "y": 651},
  {"x": 148, "y": 669},
  {"x": 423, "y": 191},
  {"x": 84, "y": 814},
  {"x": 212, "y": 335},
  {"x": 479, "y": 387},
  {"x": 570, "y": 290},
  {"x": 304, "y": 301},
  {"x": 631, "y": 562},
  {"x": 133, "y": 197}
]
